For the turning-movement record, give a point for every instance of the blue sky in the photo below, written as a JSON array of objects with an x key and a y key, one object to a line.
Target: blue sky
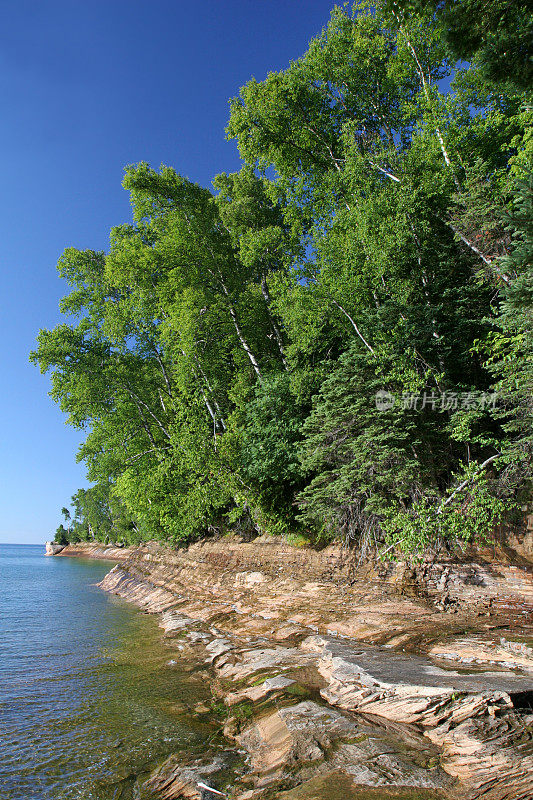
[{"x": 86, "y": 88}]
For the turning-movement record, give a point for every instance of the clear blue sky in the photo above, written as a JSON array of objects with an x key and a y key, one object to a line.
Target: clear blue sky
[{"x": 86, "y": 88}]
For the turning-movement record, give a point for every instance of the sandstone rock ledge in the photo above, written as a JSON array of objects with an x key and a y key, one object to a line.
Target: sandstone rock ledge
[
  {"x": 104, "y": 552},
  {"x": 335, "y": 686}
]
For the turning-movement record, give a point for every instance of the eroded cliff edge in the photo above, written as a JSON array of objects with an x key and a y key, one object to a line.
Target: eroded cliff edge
[{"x": 337, "y": 679}]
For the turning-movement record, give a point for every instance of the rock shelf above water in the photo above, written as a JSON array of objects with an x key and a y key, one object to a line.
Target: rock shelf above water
[{"x": 366, "y": 680}]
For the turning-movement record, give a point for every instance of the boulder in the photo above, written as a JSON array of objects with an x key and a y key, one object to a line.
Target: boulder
[{"x": 52, "y": 548}]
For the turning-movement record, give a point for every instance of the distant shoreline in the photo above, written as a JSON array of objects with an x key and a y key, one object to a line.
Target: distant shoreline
[{"x": 98, "y": 551}]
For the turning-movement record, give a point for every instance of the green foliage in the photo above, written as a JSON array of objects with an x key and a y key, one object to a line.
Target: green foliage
[
  {"x": 374, "y": 468},
  {"x": 271, "y": 428},
  {"x": 497, "y": 32},
  {"x": 510, "y": 348},
  {"x": 62, "y": 536},
  {"x": 227, "y": 350},
  {"x": 470, "y": 518}
]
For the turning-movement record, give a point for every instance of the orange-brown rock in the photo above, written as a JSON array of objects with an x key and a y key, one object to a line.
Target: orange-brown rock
[{"x": 301, "y": 646}]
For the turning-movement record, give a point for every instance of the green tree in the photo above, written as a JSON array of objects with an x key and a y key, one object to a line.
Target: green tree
[
  {"x": 398, "y": 189},
  {"x": 497, "y": 32},
  {"x": 226, "y": 351},
  {"x": 510, "y": 347},
  {"x": 62, "y": 535}
]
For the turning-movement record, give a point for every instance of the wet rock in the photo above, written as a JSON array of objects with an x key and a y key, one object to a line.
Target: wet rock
[
  {"x": 141, "y": 592},
  {"x": 269, "y": 687},
  {"x": 175, "y": 622},
  {"x": 218, "y": 647},
  {"x": 337, "y": 785},
  {"x": 308, "y": 737},
  {"x": 176, "y": 781},
  {"x": 197, "y": 636}
]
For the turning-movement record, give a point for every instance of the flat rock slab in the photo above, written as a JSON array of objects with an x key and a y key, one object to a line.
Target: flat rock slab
[
  {"x": 373, "y": 665},
  {"x": 500, "y": 652},
  {"x": 470, "y": 717}
]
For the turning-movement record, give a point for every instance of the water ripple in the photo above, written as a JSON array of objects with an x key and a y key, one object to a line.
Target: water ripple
[{"x": 86, "y": 701}]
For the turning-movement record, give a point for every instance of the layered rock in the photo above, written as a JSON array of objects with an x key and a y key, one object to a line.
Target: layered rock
[
  {"x": 492, "y": 756},
  {"x": 470, "y": 716},
  {"x": 175, "y": 780},
  {"x": 300, "y": 651},
  {"x": 324, "y": 739},
  {"x": 105, "y": 552}
]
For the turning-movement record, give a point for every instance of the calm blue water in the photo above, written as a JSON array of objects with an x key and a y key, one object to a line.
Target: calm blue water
[{"x": 88, "y": 702}]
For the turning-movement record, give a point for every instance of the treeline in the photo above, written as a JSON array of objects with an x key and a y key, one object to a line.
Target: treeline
[{"x": 335, "y": 341}]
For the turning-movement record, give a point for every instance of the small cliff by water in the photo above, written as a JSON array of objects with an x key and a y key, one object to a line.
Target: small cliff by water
[
  {"x": 342, "y": 680},
  {"x": 111, "y": 552}
]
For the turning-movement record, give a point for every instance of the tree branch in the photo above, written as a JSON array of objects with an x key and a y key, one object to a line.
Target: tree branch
[{"x": 466, "y": 482}]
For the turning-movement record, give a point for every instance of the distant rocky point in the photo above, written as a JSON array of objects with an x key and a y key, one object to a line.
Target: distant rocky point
[{"x": 52, "y": 548}]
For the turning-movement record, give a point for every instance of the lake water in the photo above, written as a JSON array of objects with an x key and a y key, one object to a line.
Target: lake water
[{"x": 88, "y": 701}]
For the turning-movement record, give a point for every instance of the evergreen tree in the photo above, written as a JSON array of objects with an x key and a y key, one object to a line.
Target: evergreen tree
[{"x": 227, "y": 351}]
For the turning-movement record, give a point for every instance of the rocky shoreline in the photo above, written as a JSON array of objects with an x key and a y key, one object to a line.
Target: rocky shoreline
[
  {"x": 338, "y": 681},
  {"x": 99, "y": 551}
]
